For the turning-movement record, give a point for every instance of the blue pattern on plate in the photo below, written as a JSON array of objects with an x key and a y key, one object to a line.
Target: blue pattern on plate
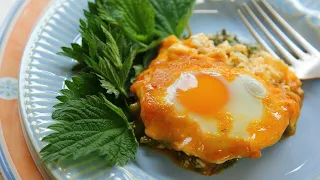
[
  {"x": 3, "y": 159},
  {"x": 8, "y": 88}
]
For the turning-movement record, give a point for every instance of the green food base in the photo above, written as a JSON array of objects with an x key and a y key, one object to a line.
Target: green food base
[{"x": 185, "y": 161}]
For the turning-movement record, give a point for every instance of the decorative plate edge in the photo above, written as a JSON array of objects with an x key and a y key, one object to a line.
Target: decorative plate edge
[
  {"x": 46, "y": 14},
  {"x": 7, "y": 167}
]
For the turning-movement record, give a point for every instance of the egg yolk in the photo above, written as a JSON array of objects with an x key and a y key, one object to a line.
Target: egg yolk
[{"x": 207, "y": 98}]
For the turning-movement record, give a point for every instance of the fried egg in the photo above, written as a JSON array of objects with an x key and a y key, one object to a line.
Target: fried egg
[
  {"x": 203, "y": 95},
  {"x": 207, "y": 109}
]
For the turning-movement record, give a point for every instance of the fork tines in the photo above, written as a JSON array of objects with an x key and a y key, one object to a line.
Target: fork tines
[{"x": 311, "y": 51}]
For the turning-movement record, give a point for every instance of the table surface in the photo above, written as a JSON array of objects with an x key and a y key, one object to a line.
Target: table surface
[{"x": 5, "y": 8}]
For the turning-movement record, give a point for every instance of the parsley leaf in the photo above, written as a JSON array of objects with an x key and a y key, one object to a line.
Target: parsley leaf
[
  {"x": 172, "y": 16},
  {"x": 91, "y": 124},
  {"x": 134, "y": 17}
]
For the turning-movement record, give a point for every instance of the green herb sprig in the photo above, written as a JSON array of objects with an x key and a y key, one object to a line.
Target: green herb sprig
[{"x": 119, "y": 38}]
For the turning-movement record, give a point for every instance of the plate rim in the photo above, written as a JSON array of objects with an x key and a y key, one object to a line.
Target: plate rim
[
  {"x": 7, "y": 167},
  {"x": 22, "y": 68}
]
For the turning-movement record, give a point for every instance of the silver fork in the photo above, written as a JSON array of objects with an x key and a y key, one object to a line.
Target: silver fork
[{"x": 307, "y": 66}]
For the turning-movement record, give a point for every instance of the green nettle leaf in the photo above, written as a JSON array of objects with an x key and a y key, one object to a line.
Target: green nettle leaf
[
  {"x": 148, "y": 57},
  {"x": 111, "y": 89},
  {"x": 110, "y": 63},
  {"x": 172, "y": 16},
  {"x": 137, "y": 70},
  {"x": 134, "y": 17},
  {"x": 111, "y": 51},
  {"x": 93, "y": 8},
  {"x": 113, "y": 33},
  {"x": 82, "y": 84},
  {"x": 152, "y": 45},
  {"x": 127, "y": 65},
  {"x": 125, "y": 45},
  {"x": 107, "y": 73},
  {"x": 75, "y": 52},
  {"x": 91, "y": 124},
  {"x": 93, "y": 24}
]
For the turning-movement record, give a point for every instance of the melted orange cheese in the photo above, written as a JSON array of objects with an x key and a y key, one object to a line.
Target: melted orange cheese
[{"x": 164, "y": 123}]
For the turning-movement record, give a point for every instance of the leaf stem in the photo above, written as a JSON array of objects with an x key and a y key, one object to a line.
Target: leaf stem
[
  {"x": 124, "y": 92},
  {"x": 141, "y": 44},
  {"x": 189, "y": 30}
]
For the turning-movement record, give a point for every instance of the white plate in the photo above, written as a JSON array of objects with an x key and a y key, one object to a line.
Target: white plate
[{"x": 43, "y": 72}]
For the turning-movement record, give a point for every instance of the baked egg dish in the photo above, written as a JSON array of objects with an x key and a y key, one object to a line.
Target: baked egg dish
[{"x": 211, "y": 104}]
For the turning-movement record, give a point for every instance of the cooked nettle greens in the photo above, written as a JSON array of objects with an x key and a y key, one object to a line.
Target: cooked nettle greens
[{"x": 119, "y": 39}]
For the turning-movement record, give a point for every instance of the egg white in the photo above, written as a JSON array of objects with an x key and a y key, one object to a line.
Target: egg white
[{"x": 244, "y": 104}]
